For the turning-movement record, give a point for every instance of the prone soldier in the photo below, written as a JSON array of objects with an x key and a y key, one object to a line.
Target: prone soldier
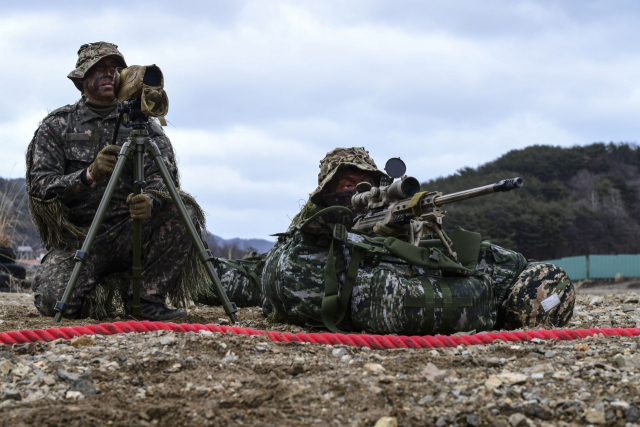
[{"x": 319, "y": 275}]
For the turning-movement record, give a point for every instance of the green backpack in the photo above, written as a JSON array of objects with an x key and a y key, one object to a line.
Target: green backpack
[{"x": 322, "y": 275}]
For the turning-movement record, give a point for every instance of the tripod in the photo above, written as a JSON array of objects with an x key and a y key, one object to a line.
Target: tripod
[{"x": 133, "y": 149}]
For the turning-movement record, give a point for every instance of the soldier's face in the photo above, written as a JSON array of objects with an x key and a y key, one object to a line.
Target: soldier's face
[
  {"x": 343, "y": 186},
  {"x": 98, "y": 83},
  {"x": 351, "y": 178}
]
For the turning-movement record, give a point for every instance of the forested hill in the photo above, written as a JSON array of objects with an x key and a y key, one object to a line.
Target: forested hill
[{"x": 575, "y": 201}]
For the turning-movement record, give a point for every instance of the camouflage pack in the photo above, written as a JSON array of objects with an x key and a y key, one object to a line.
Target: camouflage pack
[{"x": 375, "y": 291}]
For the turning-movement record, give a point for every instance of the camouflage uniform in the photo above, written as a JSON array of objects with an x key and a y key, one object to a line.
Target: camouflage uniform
[
  {"x": 388, "y": 297},
  {"x": 63, "y": 206}
]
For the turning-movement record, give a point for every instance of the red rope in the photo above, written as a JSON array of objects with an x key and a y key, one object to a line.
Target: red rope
[{"x": 357, "y": 340}]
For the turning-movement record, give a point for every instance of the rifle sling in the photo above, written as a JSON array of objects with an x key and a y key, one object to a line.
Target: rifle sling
[{"x": 334, "y": 307}]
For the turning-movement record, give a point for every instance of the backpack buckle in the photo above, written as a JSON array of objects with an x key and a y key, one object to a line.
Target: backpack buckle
[{"x": 340, "y": 232}]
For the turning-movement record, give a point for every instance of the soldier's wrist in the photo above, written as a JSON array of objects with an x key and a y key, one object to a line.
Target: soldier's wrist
[{"x": 86, "y": 177}]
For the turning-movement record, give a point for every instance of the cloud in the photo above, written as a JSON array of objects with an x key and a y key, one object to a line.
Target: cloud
[{"x": 260, "y": 91}]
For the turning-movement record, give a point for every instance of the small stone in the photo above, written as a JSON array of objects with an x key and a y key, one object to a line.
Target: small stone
[
  {"x": 442, "y": 422},
  {"x": 549, "y": 354},
  {"x": 74, "y": 395},
  {"x": 84, "y": 385},
  {"x": 189, "y": 359},
  {"x": 537, "y": 376},
  {"x": 229, "y": 359},
  {"x": 512, "y": 377},
  {"x": 209, "y": 414},
  {"x": 82, "y": 341},
  {"x": 144, "y": 416},
  {"x": 492, "y": 383},
  {"x": 432, "y": 373},
  {"x": 20, "y": 370},
  {"x": 492, "y": 362},
  {"x": 175, "y": 368},
  {"x": 540, "y": 411},
  {"x": 339, "y": 352},
  {"x": 619, "y": 404},
  {"x": 375, "y": 389},
  {"x": 49, "y": 380},
  {"x": 518, "y": 420},
  {"x": 260, "y": 349},
  {"x": 628, "y": 308},
  {"x": 631, "y": 414},
  {"x": 560, "y": 374},
  {"x": 205, "y": 333},
  {"x": 167, "y": 340},
  {"x": 223, "y": 321},
  {"x": 5, "y": 367},
  {"x": 387, "y": 422},
  {"x": 596, "y": 301},
  {"x": 66, "y": 376},
  {"x": 633, "y": 298},
  {"x": 473, "y": 420},
  {"x": 11, "y": 395},
  {"x": 581, "y": 347},
  {"x": 345, "y": 358},
  {"x": 542, "y": 367},
  {"x": 595, "y": 416},
  {"x": 374, "y": 367}
]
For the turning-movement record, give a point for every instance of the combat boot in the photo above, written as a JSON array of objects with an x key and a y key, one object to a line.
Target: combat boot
[{"x": 154, "y": 311}]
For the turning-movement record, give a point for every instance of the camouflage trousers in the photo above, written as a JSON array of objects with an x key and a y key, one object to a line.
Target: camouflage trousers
[
  {"x": 165, "y": 244},
  {"x": 240, "y": 280}
]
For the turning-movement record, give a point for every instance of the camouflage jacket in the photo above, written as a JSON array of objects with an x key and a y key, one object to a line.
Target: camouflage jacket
[{"x": 67, "y": 142}]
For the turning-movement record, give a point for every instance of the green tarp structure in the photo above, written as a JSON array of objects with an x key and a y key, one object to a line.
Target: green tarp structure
[{"x": 599, "y": 266}]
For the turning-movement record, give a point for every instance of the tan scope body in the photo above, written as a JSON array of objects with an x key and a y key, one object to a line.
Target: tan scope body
[{"x": 374, "y": 197}]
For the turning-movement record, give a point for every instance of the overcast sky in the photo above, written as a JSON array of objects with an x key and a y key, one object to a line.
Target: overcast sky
[{"x": 260, "y": 90}]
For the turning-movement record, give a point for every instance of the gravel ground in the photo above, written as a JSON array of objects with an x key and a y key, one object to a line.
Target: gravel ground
[{"x": 167, "y": 379}]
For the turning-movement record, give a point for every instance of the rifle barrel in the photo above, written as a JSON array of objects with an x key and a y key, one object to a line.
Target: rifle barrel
[{"x": 504, "y": 185}]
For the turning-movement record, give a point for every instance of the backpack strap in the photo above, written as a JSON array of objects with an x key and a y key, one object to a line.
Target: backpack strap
[{"x": 335, "y": 307}]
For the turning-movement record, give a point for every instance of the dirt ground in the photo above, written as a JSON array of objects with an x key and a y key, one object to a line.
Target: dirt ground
[{"x": 167, "y": 379}]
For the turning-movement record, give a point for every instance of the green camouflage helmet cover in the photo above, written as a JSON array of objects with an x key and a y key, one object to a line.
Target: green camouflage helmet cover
[
  {"x": 88, "y": 55},
  {"x": 341, "y": 158}
]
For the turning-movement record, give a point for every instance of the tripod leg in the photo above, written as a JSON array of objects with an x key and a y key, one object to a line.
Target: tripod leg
[
  {"x": 83, "y": 254},
  {"x": 136, "y": 271},
  {"x": 204, "y": 254}
]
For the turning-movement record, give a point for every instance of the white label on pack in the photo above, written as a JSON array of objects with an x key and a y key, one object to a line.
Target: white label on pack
[
  {"x": 354, "y": 237},
  {"x": 548, "y": 303}
]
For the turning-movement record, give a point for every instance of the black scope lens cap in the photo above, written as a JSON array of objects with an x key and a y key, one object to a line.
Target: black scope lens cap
[{"x": 395, "y": 167}]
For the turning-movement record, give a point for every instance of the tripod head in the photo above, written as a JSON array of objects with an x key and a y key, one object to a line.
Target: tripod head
[{"x": 135, "y": 116}]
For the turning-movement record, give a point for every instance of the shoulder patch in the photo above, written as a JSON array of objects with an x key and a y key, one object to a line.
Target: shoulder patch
[{"x": 62, "y": 110}]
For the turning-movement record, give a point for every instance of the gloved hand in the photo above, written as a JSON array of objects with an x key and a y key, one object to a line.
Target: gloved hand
[
  {"x": 104, "y": 163},
  {"x": 140, "y": 206}
]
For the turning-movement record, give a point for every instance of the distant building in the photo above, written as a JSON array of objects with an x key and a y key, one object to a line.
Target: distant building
[{"x": 25, "y": 252}]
